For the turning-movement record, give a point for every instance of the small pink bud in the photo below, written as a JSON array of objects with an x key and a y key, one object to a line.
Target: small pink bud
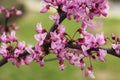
[
  {"x": 18, "y": 12},
  {"x": 45, "y": 9},
  {"x": 7, "y": 14},
  {"x": 113, "y": 36}
]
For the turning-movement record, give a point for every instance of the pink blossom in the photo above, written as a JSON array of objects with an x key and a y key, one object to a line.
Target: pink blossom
[
  {"x": 84, "y": 49},
  {"x": 55, "y": 36},
  {"x": 7, "y": 14},
  {"x": 61, "y": 30},
  {"x": 3, "y": 9},
  {"x": 4, "y": 51},
  {"x": 36, "y": 54},
  {"x": 62, "y": 66},
  {"x": 21, "y": 45},
  {"x": 40, "y": 37},
  {"x": 118, "y": 40},
  {"x": 89, "y": 72},
  {"x": 55, "y": 18},
  {"x": 28, "y": 60},
  {"x": 19, "y": 62},
  {"x": 57, "y": 40},
  {"x": 113, "y": 36},
  {"x": 92, "y": 41},
  {"x": 45, "y": 9},
  {"x": 39, "y": 28},
  {"x": 102, "y": 54},
  {"x": 31, "y": 51},
  {"x": 75, "y": 58},
  {"x": 89, "y": 39},
  {"x": 98, "y": 8},
  {"x": 100, "y": 39},
  {"x": 3, "y": 38},
  {"x": 41, "y": 34},
  {"x": 41, "y": 62},
  {"x": 82, "y": 64},
  {"x": 18, "y": 12},
  {"x": 12, "y": 37},
  {"x": 19, "y": 49},
  {"x": 116, "y": 47}
]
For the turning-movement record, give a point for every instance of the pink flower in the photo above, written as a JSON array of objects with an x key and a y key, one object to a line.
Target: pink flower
[
  {"x": 41, "y": 34},
  {"x": 62, "y": 66},
  {"x": 3, "y": 9},
  {"x": 21, "y": 45},
  {"x": 12, "y": 37},
  {"x": 7, "y": 14},
  {"x": 3, "y": 38},
  {"x": 39, "y": 28},
  {"x": 4, "y": 51},
  {"x": 61, "y": 30},
  {"x": 19, "y": 49},
  {"x": 116, "y": 47},
  {"x": 19, "y": 62},
  {"x": 89, "y": 72},
  {"x": 100, "y": 39},
  {"x": 75, "y": 58},
  {"x": 82, "y": 64},
  {"x": 56, "y": 18},
  {"x": 113, "y": 36},
  {"x": 45, "y": 9},
  {"x": 36, "y": 54},
  {"x": 28, "y": 60},
  {"x": 41, "y": 62},
  {"x": 18, "y": 12},
  {"x": 98, "y": 8},
  {"x": 84, "y": 49},
  {"x": 31, "y": 51},
  {"x": 102, "y": 54},
  {"x": 40, "y": 37},
  {"x": 89, "y": 39}
]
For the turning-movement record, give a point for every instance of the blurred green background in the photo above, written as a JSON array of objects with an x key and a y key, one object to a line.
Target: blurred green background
[{"x": 110, "y": 70}]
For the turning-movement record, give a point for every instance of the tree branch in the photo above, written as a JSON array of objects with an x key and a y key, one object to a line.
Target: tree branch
[
  {"x": 109, "y": 50},
  {"x": 3, "y": 61},
  {"x": 69, "y": 45},
  {"x": 45, "y": 44}
]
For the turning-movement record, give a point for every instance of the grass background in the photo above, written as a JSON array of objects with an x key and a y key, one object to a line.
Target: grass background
[{"x": 110, "y": 70}]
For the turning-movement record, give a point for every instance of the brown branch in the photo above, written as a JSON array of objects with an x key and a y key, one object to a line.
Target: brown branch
[
  {"x": 109, "y": 50},
  {"x": 45, "y": 44},
  {"x": 69, "y": 45},
  {"x": 3, "y": 61},
  {"x": 73, "y": 46}
]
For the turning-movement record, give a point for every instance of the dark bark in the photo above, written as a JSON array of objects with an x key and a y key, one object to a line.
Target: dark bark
[
  {"x": 46, "y": 45},
  {"x": 109, "y": 50}
]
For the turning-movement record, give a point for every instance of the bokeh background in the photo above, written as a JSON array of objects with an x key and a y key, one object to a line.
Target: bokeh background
[{"x": 110, "y": 70}]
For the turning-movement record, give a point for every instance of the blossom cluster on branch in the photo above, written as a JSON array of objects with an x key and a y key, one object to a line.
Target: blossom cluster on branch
[{"x": 57, "y": 41}]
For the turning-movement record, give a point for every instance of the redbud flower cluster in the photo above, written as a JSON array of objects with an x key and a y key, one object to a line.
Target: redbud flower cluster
[
  {"x": 116, "y": 44},
  {"x": 81, "y": 11},
  {"x": 10, "y": 47},
  {"x": 9, "y": 14},
  {"x": 57, "y": 40}
]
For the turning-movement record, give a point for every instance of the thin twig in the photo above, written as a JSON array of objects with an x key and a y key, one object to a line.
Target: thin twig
[{"x": 45, "y": 45}]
